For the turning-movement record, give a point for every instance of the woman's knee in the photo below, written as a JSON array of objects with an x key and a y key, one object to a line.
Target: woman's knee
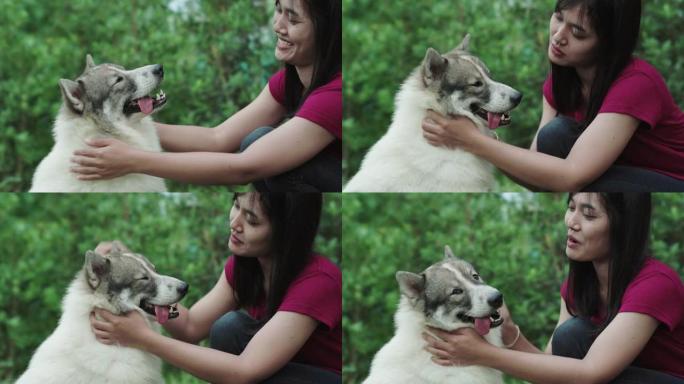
[
  {"x": 558, "y": 136},
  {"x": 254, "y": 136},
  {"x": 231, "y": 332},
  {"x": 572, "y": 338}
]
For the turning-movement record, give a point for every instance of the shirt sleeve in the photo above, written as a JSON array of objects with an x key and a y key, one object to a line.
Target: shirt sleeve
[
  {"x": 547, "y": 91},
  {"x": 636, "y": 95},
  {"x": 276, "y": 85},
  {"x": 229, "y": 270},
  {"x": 318, "y": 296},
  {"x": 324, "y": 107},
  {"x": 654, "y": 295}
]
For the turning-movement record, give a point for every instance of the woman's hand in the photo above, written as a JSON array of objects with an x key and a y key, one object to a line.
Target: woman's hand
[
  {"x": 450, "y": 132},
  {"x": 107, "y": 159},
  {"x": 458, "y": 348},
  {"x": 130, "y": 330}
]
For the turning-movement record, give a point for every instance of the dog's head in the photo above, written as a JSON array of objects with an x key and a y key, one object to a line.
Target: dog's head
[
  {"x": 129, "y": 281},
  {"x": 464, "y": 87},
  {"x": 111, "y": 93},
  {"x": 452, "y": 295}
]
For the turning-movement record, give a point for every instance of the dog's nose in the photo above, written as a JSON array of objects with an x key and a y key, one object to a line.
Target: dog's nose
[
  {"x": 183, "y": 288},
  {"x": 515, "y": 99},
  {"x": 158, "y": 71},
  {"x": 495, "y": 300}
]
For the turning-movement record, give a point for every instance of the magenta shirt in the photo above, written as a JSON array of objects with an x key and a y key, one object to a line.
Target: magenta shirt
[
  {"x": 656, "y": 291},
  {"x": 640, "y": 92},
  {"x": 323, "y": 106},
  {"x": 317, "y": 293}
]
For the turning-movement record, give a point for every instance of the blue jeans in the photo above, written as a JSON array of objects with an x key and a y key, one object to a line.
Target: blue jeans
[
  {"x": 573, "y": 339},
  {"x": 557, "y": 138},
  {"x": 323, "y": 173},
  {"x": 232, "y": 332}
]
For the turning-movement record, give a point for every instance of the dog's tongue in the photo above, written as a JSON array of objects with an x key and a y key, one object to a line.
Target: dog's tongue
[
  {"x": 162, "y": 313},
  {"x": 494, "y": 119},
  {"x": 482, "y": 325},
  {"x": 146, "y": 105}
]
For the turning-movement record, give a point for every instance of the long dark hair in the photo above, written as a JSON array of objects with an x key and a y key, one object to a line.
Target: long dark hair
[
  {"x": 617, "y": 24},
  {"x": 326, "y": 16},
  {"x": 629, "y": 218},
  {"x": 294, "y": 219}
]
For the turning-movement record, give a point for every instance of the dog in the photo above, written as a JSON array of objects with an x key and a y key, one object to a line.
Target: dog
[
  {"x": 456, "y": 83},
  {"x": 105, "y": 101},
  {"x": 448, "y": 295},
  {"x": 119, "y": 282}
]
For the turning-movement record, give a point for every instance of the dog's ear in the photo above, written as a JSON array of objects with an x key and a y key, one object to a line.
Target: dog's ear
[
  {"x": 464, "y": 45},
  {"x": 411, "y": 285},
  {"x": 89, "y": 62},
  {"x": 96, "y": 266},
  {"x": 119, "y": 247},
  {"x": 448, "y": 253},
  {"x": 434, "y": 66},
  {"x": 72, "y": 93}
]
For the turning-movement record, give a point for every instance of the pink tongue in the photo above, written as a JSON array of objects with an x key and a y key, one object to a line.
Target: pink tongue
[
  {"x": 482, "y": 325},
  {"x": 145, "y": 105},
  {"x": 162, "y": 313},
  {"x": 494, "y": 119}
]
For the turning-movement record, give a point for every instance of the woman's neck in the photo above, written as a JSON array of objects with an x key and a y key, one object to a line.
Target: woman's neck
[
  {"x": 602, "y": 268},
  {"x": 266, "y": 262},
  {"x": 305, "y": 74},
  {"x": 586, "y": 76}
]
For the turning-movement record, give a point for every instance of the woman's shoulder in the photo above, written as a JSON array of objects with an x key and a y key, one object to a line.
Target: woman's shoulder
[
  {"x": 656, "y": 269},
  {"x": 641, "y": 69},
  {"x": 321, "y": 265}
]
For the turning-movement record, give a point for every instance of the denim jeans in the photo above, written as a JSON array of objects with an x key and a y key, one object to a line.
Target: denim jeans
[
  {"x": 557, "y": 138},
  {"x": 232, "y": 332},
  {"x": 573, "y": 339},
  {"x": 323, "y": 173}
]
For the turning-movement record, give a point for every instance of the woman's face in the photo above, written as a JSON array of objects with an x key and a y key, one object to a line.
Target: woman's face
[
  {"x": 295, "y": 32},
  {"x": 572, "y": 41},
  {"x": 588, "y": 228},
  {"x": 250, "y": 228}
]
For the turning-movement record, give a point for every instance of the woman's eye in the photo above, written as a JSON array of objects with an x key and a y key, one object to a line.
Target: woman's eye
[{"x": 456, "y": 291}]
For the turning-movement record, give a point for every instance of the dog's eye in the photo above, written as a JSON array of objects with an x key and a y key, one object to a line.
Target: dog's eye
[
  {"x": 144, "y": 278},
  {"x": 118, "y": 79},
  {"x": 477, "y": 84},
  {"x": 456, "y": 291},
  {"x": 476, "y": 276}
]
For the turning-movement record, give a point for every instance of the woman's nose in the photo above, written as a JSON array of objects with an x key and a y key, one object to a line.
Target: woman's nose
[{"x": 236, "y": 223}]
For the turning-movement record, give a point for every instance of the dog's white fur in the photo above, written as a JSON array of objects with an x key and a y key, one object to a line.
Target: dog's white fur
[{"x": 72, "y": 355}]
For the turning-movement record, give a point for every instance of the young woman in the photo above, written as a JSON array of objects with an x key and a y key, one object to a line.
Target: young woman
[
  {"x": 621, "y": 312},
  {"x": 289, "y": 329},
  {"x": 302, "y": 154},
  {"x": 608, "y": 120}
]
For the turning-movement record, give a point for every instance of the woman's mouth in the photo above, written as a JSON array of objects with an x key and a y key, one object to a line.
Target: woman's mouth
[
  {"x": 572, "y": 242},
  {"x": 283, "y": 44},
  {"x": 556, "y": 51},
  {"x": 235, "y": 240}
]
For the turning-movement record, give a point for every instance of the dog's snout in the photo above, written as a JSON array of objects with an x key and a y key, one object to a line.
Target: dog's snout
[
  {"x": 158, "y": 71},
  {"x": 183, "y": 288},
  {"x": 495, "y": 299},
  {"x": 516, "y": 97}
]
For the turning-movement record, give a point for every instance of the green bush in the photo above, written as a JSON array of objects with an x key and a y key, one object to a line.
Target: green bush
[
  {"x": 44, "y": 239},
  {"x": 217, "y": 57},
  {"x": 516, "y": 242},
  {"x": 383, "y": 43}
]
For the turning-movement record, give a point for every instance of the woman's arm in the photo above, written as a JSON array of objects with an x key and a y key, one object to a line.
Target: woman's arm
[
  {"x": 225, "y": 137},
  {"x": 612, "y": 351},
  {"x": 194, "y": 324},
  {"x": 284, "y": 148},
  {"x": 594, "y": 152}
]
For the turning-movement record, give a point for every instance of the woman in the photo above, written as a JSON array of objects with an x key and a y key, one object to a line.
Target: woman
[
  {"x": 598, "y": 96},
  {"x": 302, "y": 154},
  {"x": 621, "y": 312},
  {"x": 291, "y": 330}
]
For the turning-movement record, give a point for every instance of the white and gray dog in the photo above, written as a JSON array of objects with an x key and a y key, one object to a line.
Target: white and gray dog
[
  {"x": 456, "y": 83},
  {"x": 448, "y": 295},
  {"x": 106, "y": 101},
  {"x": 119, "y": 282}
]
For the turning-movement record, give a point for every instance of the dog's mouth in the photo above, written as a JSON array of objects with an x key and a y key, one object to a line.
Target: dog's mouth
[
  {"x": 482, "y": 324},
  {"x": 161, "y": 312},
  {"x": 146, "y": 105},
  {"x": 494, "y": 120}
]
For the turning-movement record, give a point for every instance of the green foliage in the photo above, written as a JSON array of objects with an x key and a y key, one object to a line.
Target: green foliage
[
  {"x": 382, "y": 44},
  {"x": 44, "y": 239},
  {"x": 516, "y": 242},
  {"x": 217, "y": 57}
]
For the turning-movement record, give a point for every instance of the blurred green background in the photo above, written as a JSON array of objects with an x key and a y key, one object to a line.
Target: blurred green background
[
  {"x": 516, "y": 241},
  {"x": 44, "y": 239},
  {"x": 217, "y": 56},
  {"x": 383, "y": 42}
]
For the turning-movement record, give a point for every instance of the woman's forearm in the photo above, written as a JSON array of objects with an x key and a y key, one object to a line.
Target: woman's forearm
[
  {"x": 197, "y": 167},
  {"x": 187, "y": 138}
]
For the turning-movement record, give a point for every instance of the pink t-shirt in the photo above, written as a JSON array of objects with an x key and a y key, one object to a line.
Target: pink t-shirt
[
  {"x": 323, "y": 106},
  {"x": 640, "y": 92},
  {"x": 656, "y": 291},
  {"x": 316, "y": 292}
]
